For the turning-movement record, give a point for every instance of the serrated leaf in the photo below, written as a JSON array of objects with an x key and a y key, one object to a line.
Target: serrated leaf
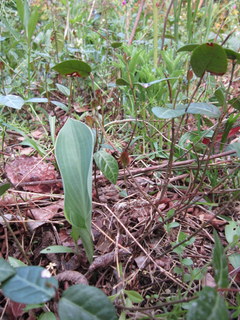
[
  {"x": 107, "y": 164},
  {"x": 85, "y": 303},
  {"x": 64, "y": 90},
  {"x": 209, "y": 57},
  {"x": 209, "y": 306},
  {"x": 74, "y": 153},
  {"x": 188, "y": 47},
  {"x": 30, "y": 285},
  {"x": 57, "y": 249},
  {"x": 74, "y": 68},
  {"x": 6, "y": 270},
  {"x": 122, "y": 82},
  {"x": 4, "y": 187},
  {"x": 12, "y": 101},
  {"x": 220, "y": 265}
]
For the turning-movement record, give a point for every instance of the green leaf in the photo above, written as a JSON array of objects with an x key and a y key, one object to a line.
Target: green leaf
[
  {"x": 60, "y": 105},
  {"x": 74, "y": 153},
  {"x": 122, "y": 82},
  {"x": 220, "y": 96},
  {"x": 206, "y": 109},
  {"x": 232, "y": 232},
  {"x": 16, "y": 262},
  {"x": 37, "y": 100},
  {"x": 47, "y": 316},
  {"x": 30, "y": 285},
  {"x": 234, "y": 259},
  {"x": 209, "y": 306},
  {"x": 235, "y": 147},
  {"x": 74, "y": 68},
  {"x": 209, "y": 57},
  {"x": 12, "y": 101},
  {"x": 57, "y": 249},
  {"x": 6, "y": 270},
  {"x": 64, "y": 90},
  {"x": 232, "y": 55},
  {"x": 116, "y": 45},
  {"x": 20, "y": 9},
  {"x": 188, "y": 47},
  {"x": 149, "y": 84},
  {"x": 4, "y": 187},
  {"x": 107, "y": 164},
  {"x": 85, "y": 303},
  {"x": 32, "y": 22},
  {"x": 235, "y": 103},
  {"x": 134, "y": 296},
  {"x": 220, "y": 265}
]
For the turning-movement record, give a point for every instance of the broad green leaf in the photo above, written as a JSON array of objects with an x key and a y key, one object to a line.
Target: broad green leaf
[
  {"x": 220, "y": 96},
  {"x": 188, "y": 47},
  {"x": 30, "y": 285},
  {"x": 206, "y": 109},
  {"x": 6, "y": 270},
  {"x": 232, "y": 55},
  {"x": 234, "y": 259},
  {"x": 107, "y": 164},
  {"x": 220, "y": 265},
  {"x": 74, "y": 153},
  {"x": 12, "y": 101},
  {"x": 232, "y": 231},
  {"x": 60, "y": 105},
  {"x": 74, "y": 68},
  {"x": 235, "y": 147},
  {"x": 209, "y": 306},
  {"x": 134, "y": 296},
  {"x": 64, "y": 90},
  {"x": 85, "y": 303},
  {"x": 209, "y": 57},
  {"x": 57, "y": 249},
  {"x": 32, "y": 22},
  {"x": 122, "y": 82},
  {"x": 16, "y": 262},
  {"x": 47, "y": 316},
  {"x": 4, "y": 187},
  {"x": 37, "y": 100}
]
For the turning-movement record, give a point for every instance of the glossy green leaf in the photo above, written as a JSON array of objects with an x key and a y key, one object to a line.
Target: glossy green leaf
[
  {"x": 107, "y": 164},
  {"x": 85, "y": 303},
  {"x": 4, "y": 187},
  {"x": 209, "y": 57},
  {"x": 74, "y": 68},
  {"x": 57, "y": 249},
  {"x": 74, "y": 153},
  {"x": 122, "y": 82},
  {"x": 220, "y": 265},
  {"x": 6, "y": 270},
  {"x": 12, "y": 101},
  {"x": 30, "y": 285},
  {"x": 209, "y": 306},
  {"x": 188, "y": 47},
  {"x": 206, "y": 109}
]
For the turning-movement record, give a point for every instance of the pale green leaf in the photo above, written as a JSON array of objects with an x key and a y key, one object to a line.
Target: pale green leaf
[{"x": 107, "y": 164}]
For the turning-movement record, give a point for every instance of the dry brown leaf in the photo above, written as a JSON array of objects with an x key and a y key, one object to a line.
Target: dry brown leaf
[
  {"x": 29, "y": 169},
  {"x": 48, "y": 212}
]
